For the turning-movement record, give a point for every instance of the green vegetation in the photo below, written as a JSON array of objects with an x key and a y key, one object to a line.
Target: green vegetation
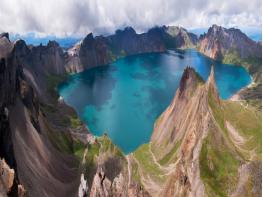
[
  {"x": 78, "y": 149},
  {"x": 106, "y": 145},
  {"x": 144, "y": 157},
  {"x": 168, "y": 157},
  {"x": 102, "y": 150},
  {"x": 75, "y": 122},
  {"x": 247, "y": 120},
  {"x": 218, "y": 167},
  {"x": 252, "y": 64},
  {"x": 218, "y": 149},
  {"x": 217, "y": 111},
  {"x": 135, "y": 173},
  {"x": 232, "y": 57},
  {"x": 52, "y": 83}
]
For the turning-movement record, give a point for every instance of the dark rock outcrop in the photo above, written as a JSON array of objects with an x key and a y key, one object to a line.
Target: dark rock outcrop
[
  {"x": 100, "y": 50},
  {"x": 5, "y": 34},
  {"x": 5, "y": 45},
  {"x": 25, "y": 142}
]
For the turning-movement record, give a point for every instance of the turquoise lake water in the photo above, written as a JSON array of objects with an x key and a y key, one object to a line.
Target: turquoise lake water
[{"x": 124, "y": 99}]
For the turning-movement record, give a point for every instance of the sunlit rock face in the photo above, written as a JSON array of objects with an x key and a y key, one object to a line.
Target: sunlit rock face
[{"x": 219, "y": 41}]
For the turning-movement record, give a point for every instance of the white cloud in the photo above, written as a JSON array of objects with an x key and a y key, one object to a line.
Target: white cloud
[{"x": 75, "y": 17}]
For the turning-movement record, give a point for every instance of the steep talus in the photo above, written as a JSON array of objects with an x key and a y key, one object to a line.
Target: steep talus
[
  {"x": 25, "y": 132},
  {"x": 41, "y": 168},
  {"x": 193, "y": 150}
]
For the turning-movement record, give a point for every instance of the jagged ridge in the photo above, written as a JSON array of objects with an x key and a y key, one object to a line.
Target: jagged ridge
[{"x": 191, "y": 141}]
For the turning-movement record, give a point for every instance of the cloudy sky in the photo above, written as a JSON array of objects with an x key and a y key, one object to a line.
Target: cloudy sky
[{"x": 78, "y": 17}]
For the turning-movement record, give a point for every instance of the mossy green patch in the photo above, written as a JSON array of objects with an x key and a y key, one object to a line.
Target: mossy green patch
[
  {"x": 146, "y": 162},
  {"x": 232, "y": 57},
  {"x": 52, "y": 83},
  {"x": 78, "y": 148},
  {"x": 75, "y": 122},
  {"x": 218, "y": 167},
  {"x": 247, "y": 120},
  {"x": 168, "y": 157},
  {"x": 252, "y": 64}
]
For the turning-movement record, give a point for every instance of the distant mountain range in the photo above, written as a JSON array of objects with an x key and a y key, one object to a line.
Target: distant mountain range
[{"x": 68, "y": 41}]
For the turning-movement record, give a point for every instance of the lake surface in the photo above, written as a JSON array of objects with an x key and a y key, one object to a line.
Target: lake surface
[{"x": 124, "y": 99}]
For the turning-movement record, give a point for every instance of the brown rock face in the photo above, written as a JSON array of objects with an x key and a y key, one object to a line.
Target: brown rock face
[
  {"x": 7, "y": 175},
  {"x": 185, "y": 122},
  {"x": 219, "y": 41},
  {"x": 5, "y": 45},
  {"x": 24, "y": 130}
]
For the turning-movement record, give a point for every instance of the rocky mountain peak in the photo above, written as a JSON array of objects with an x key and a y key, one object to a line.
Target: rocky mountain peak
[
  {"x": 189, "y": 81},
  {"x": 182, "y": 127},
  {"x": 5, "y": 45},
  {"x": 188, "y": 78},
  {"x": 127, "y": 30},
  {"x": 220, "y": 42},
  {"x": 5, "y": 34},
  {"x": 52, "y": 43},
  {"x": 88, "y": 39},
  {"x": 19, "y": 44}
]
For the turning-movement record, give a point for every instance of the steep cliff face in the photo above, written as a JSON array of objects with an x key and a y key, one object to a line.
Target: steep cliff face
[
  {"x": 95, "y": 51},
  {"x": 100, "y": 50},
  {"x": 8, "y": 88},
  {"x": 128, "y": 42},
  {"x": 199, "y": 145},
  {"x": 5, "y": 45},
  {"x": 231, "y": 46},
  {"x": 25, "y": 131},
  {"x": 40, "y": 64},
  {"x": 178, "y": 37},
  {"x": 41, "y": 59},
  {"x": 219, "y": 42}
]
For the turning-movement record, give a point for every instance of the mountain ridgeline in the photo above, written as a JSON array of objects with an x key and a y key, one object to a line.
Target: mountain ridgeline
[
  {"x": 100, "y": 50},
  {"x": 200, "y": 146}
]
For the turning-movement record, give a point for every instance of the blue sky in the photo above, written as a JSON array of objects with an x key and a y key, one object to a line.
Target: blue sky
[{"x": 77, "y": 18}]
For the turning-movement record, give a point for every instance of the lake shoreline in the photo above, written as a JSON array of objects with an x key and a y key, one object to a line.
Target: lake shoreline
[{"x": 236, "y": 96}]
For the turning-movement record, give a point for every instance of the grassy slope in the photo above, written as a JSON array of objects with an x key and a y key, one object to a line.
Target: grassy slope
[
  {"x": 147, "y": 165},
  {"x": 220, "y": 159}
]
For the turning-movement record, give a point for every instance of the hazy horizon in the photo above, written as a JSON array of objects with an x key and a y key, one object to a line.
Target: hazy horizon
[
  {"x": 73, "y": 18},
  {"x": 68, "y": 41}
]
